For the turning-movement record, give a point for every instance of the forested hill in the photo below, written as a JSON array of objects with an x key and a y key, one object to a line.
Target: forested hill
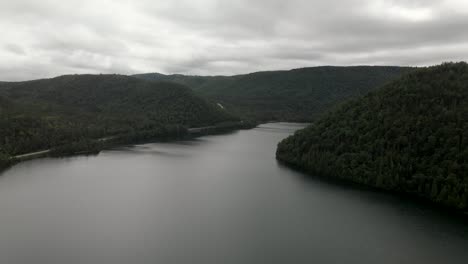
[
  {"x": 40, "y": 114},
  {"x": 117, "y": 95},
  {"x": 296, "y": 95},
  {"x": 410, "y": 136}
]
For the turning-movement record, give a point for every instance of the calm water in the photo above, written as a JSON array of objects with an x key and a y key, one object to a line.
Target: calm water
[{"x": 218, "y": 199}]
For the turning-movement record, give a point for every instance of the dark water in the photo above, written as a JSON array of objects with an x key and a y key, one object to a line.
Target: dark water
[{"x": 219, "y": 199}]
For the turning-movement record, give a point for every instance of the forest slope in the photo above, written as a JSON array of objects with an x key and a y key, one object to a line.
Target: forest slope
[
  {"x": 410, "y": 136},
  {"x": 41, "y": 114}
]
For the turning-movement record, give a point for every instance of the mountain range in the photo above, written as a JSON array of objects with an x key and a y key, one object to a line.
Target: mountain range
[{"x": 294, "y": 95}]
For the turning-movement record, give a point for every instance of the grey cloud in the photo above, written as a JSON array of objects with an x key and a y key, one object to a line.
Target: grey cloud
[
  {"x": 16, "y": 49},
  {"x": 51, "y": 37}
]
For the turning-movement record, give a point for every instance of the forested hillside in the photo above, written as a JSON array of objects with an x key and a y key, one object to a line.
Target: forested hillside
[
  {"x": 296, "y": 95},
  {"x": 410, "y": 136},
  {"x": 41, "y": 114}
]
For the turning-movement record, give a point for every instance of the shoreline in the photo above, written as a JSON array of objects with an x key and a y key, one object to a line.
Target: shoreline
[
  {"x": 363, "y": 187},
  {"x": 114, "y": 141}
]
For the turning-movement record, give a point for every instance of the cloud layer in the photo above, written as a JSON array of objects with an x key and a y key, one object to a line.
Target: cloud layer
[{"x": 52, "y": 37}]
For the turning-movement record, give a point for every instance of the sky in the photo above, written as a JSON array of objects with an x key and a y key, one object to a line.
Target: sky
[{"x": 47, "y": 38}]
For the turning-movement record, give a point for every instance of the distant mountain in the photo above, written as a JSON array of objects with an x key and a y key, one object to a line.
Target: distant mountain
[
  {"x": 411, "y": 136},
  {"x": 40, "y": 114},
  {"x": 296, "y": 95}
]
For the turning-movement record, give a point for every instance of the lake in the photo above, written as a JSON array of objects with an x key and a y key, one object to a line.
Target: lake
[{"x": 216, "y": 199}]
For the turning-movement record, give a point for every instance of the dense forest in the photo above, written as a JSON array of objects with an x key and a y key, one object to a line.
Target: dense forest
[
  {"x": 72, "y": 112},
  {"x": 410, "y": 136},
  {"x": 296, "y": 95}
]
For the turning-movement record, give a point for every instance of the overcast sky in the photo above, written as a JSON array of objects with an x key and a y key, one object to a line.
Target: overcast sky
[{"x": 47, "y": 38}]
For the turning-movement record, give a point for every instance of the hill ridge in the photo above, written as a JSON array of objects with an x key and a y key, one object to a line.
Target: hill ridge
[{"x": 291, "y": 95}]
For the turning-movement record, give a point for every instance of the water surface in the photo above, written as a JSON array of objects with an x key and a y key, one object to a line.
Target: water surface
[{"x": 217, "y": 199}]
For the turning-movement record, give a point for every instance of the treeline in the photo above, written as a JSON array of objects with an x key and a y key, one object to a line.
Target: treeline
[
  {"x": 410, "y": 136},
  {"x": 160, "y": 133},
  {"x": 296, "y": 95},
  {"x": 5, "y": 161},
  {"x": 80, "y": 146}
]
